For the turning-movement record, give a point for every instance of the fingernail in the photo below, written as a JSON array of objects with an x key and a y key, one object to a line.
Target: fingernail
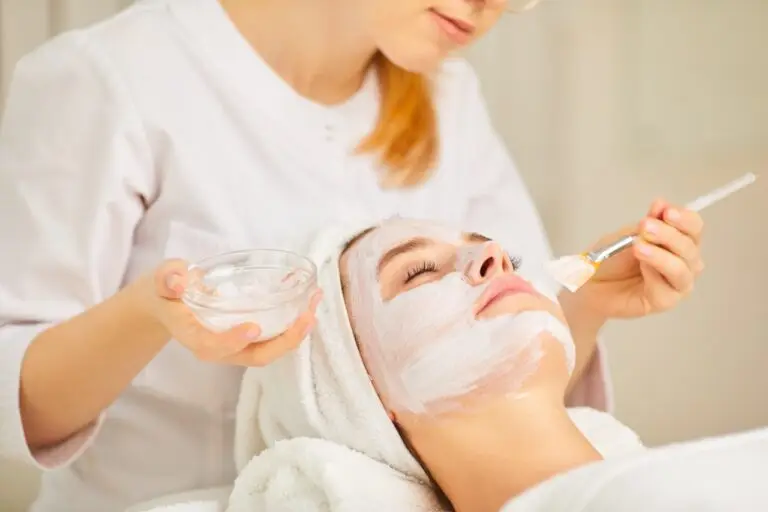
[
  {"x": 673, "y": 215},
  {"x": 253, "y": 333},
  {"x": 174, "y": 283},
  {"x": 650, "y": 227}
]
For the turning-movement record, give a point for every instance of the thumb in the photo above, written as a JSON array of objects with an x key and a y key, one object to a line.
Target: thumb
[{"x": 171, "y": 279}]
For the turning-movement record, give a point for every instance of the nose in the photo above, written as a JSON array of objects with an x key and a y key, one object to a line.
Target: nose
[{"x": 486, "y": 261}]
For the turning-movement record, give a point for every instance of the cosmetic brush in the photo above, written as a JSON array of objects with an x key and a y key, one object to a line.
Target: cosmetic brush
[{"x": 575, "y": 270}]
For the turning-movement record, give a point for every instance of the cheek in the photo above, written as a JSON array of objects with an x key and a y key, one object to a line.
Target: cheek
[
  {"x": 413, "y": 45},
  {"x": 423, "y": 312}
]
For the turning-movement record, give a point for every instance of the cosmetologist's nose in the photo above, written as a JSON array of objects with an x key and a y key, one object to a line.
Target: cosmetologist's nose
[{"x": 488, "y": 260}]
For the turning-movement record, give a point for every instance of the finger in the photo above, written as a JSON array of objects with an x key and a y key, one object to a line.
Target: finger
[
  {"x": 208, "y": 344},
  {"x": 264, "y": 352},
  {"x": 237, "y": 339},
  {"x": 686, "y": 221},
  {"x": 241, "y": 345},
  {"x": 674, "y": 270},
  {"x": 660, "y": 295},
  {"x": 657, "y": 208},
  {"x": 216, "y": 346},
  {"x": 171, "y": 279},
  {"x": 261, "y": 353},
  {"x": 698, "y": 267},
  {"x": 299, "y": 330},
  {"x": 662, "y": 234},
  {"x": 315, "y": 300}
]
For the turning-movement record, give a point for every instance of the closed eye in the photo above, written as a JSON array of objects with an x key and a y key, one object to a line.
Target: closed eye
[{"x": 422, "y": 268}]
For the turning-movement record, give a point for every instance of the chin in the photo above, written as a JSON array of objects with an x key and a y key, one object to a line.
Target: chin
[{"x": 424, "y": 61}]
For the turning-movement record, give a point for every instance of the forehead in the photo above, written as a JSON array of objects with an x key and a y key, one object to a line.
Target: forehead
[{"x": 395, "y": 231}]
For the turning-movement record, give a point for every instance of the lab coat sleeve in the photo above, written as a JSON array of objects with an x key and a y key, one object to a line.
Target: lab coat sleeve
[
  {"x": 501, "y": 207},
  {"x": 73, "y": 172}
]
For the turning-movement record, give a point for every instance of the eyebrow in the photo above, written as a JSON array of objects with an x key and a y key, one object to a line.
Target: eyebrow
[
  {"x": 407, "y": 246},
  {"x": 476, "y": 237}
]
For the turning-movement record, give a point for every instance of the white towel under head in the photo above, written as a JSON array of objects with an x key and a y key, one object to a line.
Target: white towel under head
[
  {"x": 313, "y": 475},
  {"x": 321, "y": 391}
]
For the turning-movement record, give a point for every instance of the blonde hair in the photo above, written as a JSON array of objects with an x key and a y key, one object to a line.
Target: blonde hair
[{"x": 405, "y": 137}]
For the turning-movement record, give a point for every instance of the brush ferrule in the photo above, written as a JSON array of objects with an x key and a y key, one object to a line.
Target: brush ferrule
[{"x": 603, "y": 253}]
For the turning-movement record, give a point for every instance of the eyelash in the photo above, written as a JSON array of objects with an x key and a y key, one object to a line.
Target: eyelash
[
  {"x": 423, "y": 268},
  {"x": 431, "y": 266}
]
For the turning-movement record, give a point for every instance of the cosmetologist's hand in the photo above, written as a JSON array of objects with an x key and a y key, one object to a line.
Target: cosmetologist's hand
[
  {"x": 655, "y": 274},
  {"x": 237, "y": 346}
]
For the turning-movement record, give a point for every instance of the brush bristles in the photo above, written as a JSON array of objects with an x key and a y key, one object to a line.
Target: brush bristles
[{"x": 572, "y": 272}]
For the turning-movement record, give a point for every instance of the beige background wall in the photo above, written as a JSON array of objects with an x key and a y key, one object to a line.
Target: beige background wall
[{"x": 605, "y": 104}]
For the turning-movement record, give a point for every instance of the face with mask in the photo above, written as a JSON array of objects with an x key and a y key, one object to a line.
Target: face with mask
[{"x": 444, "y": 322}]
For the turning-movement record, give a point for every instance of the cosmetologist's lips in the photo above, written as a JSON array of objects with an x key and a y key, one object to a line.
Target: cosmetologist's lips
[{"x": 457, "y": 30}]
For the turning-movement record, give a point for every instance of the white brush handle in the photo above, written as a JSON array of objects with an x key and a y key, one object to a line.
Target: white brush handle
[
  {"x": 721, "y": 193},
  {"x": 698, "y": 204}
]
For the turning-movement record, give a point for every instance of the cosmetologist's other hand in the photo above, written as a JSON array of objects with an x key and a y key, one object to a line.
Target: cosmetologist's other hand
[
  {"x": 161, "y": 298},
  {"x": 653, "y": 275}
]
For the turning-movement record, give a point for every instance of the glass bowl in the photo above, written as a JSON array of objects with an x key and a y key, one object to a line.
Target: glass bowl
[{"x": 267, "y": 287}]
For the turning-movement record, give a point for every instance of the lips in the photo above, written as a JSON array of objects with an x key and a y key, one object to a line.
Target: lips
[
  {"x": 500, "y": 288},
  {"x": 459, "y": 31}
]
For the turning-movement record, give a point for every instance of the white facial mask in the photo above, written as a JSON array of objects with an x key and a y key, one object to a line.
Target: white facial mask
[{"x": 424, "y": 349}]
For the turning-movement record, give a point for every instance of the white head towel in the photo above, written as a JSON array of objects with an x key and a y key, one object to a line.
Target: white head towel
[{"x": 311, "y": 432}]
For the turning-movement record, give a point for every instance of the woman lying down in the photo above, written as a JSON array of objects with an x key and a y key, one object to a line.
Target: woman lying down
[{"x": 434, "y": 381}]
